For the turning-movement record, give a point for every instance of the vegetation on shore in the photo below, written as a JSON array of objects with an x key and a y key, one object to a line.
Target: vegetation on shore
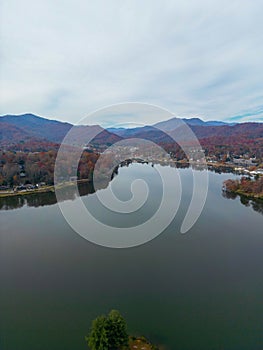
[
  {"x": 110, "y": 333},
  {"x": 29, "y": 146},
  {"x": 252, "y": 188},
  {"x": 42, "y": 189},
  {"x": 18, "y": 168}
]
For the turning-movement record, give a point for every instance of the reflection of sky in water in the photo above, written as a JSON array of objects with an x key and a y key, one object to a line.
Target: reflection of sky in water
[
  {"x": 121, "y": 184},
  {"x": 202, "y": 282}
]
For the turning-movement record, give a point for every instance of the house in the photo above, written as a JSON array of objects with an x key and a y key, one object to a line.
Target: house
[
  {"x": 4, "y": 188},
  {"x": 257, "y": 172},
  {"x": 73, "y": 178},
  {"x": 244, "y": 162}
]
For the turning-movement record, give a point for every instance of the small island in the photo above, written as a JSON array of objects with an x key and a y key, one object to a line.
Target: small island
[{"x": 110, "y": 333}]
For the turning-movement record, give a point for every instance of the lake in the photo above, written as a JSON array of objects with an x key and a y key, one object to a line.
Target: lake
[{"x": 199, "y": 291}]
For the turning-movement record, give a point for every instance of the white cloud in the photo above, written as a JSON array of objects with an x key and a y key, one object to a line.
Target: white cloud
[{"x": 63, "y": 59}]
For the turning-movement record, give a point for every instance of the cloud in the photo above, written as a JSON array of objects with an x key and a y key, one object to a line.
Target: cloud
[
  {"x": 248, "y": 116},
  {"x": 64, "y": 59}
]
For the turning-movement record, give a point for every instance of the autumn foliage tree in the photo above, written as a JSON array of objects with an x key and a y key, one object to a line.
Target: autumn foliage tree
[{"x": 245, "y": 185}]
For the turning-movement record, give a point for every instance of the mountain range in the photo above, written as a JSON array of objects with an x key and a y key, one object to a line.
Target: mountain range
[{"x": 31, "y": 129}]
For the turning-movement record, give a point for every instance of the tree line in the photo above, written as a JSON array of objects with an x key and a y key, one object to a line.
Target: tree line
[
  {"x": 245, "y": 185},
  {"x": 18, "y": 168}
]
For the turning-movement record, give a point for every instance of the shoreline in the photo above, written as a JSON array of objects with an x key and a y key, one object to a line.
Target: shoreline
[
  {"x": 251, "y": 196},
  {"x": 51, "y": 188},
  {"x": 141, "y": 343},
  {"x": 44, "y": 189}
]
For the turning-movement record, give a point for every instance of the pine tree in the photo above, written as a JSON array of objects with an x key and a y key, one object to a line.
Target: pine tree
[
  {"x": 108, "y": 333},
  {"x": 98, "y": 339},
  {"x": 117, "y": 330}
]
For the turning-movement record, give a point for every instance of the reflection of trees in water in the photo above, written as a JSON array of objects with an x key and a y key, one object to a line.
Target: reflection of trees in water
[
  {"x": 30, "y": 200},
  {"x": 12, "y": 202},
  {"x": 229, "y": 195},
  {"x": 43, "y": 199},
  {"x": 220, "y": 169},
  {"x": 255, "y": 204},
  {"x": 69, "y": 193},
  {"x": 66, "y": 193}
]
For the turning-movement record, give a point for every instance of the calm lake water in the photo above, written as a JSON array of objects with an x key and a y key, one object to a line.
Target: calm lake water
[{"x": 198, "y": 291}]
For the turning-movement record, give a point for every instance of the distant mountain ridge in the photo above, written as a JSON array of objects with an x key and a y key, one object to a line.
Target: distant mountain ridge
[
  {"x": 168, "y": 126},
  {"x": 174, "y": 122},
  {"x": 171, "y": 124},
  {"x": 200, "y": 128}
]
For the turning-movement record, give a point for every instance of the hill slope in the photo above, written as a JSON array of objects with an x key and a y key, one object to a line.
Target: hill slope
[{"x": 31, "y": 128}]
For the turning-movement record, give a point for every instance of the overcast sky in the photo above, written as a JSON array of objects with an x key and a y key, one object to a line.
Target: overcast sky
[{"x": 64, "y": 59}]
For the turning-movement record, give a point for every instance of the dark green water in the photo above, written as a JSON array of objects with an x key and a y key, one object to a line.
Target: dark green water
[{"x": 202, "y": 290}]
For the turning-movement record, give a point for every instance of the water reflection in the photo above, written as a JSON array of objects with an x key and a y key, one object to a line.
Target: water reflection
[
  {"x": 43, "y": 199},
  {"x": 255, "y": 204},
  {"x": 69, "y": 193}
]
